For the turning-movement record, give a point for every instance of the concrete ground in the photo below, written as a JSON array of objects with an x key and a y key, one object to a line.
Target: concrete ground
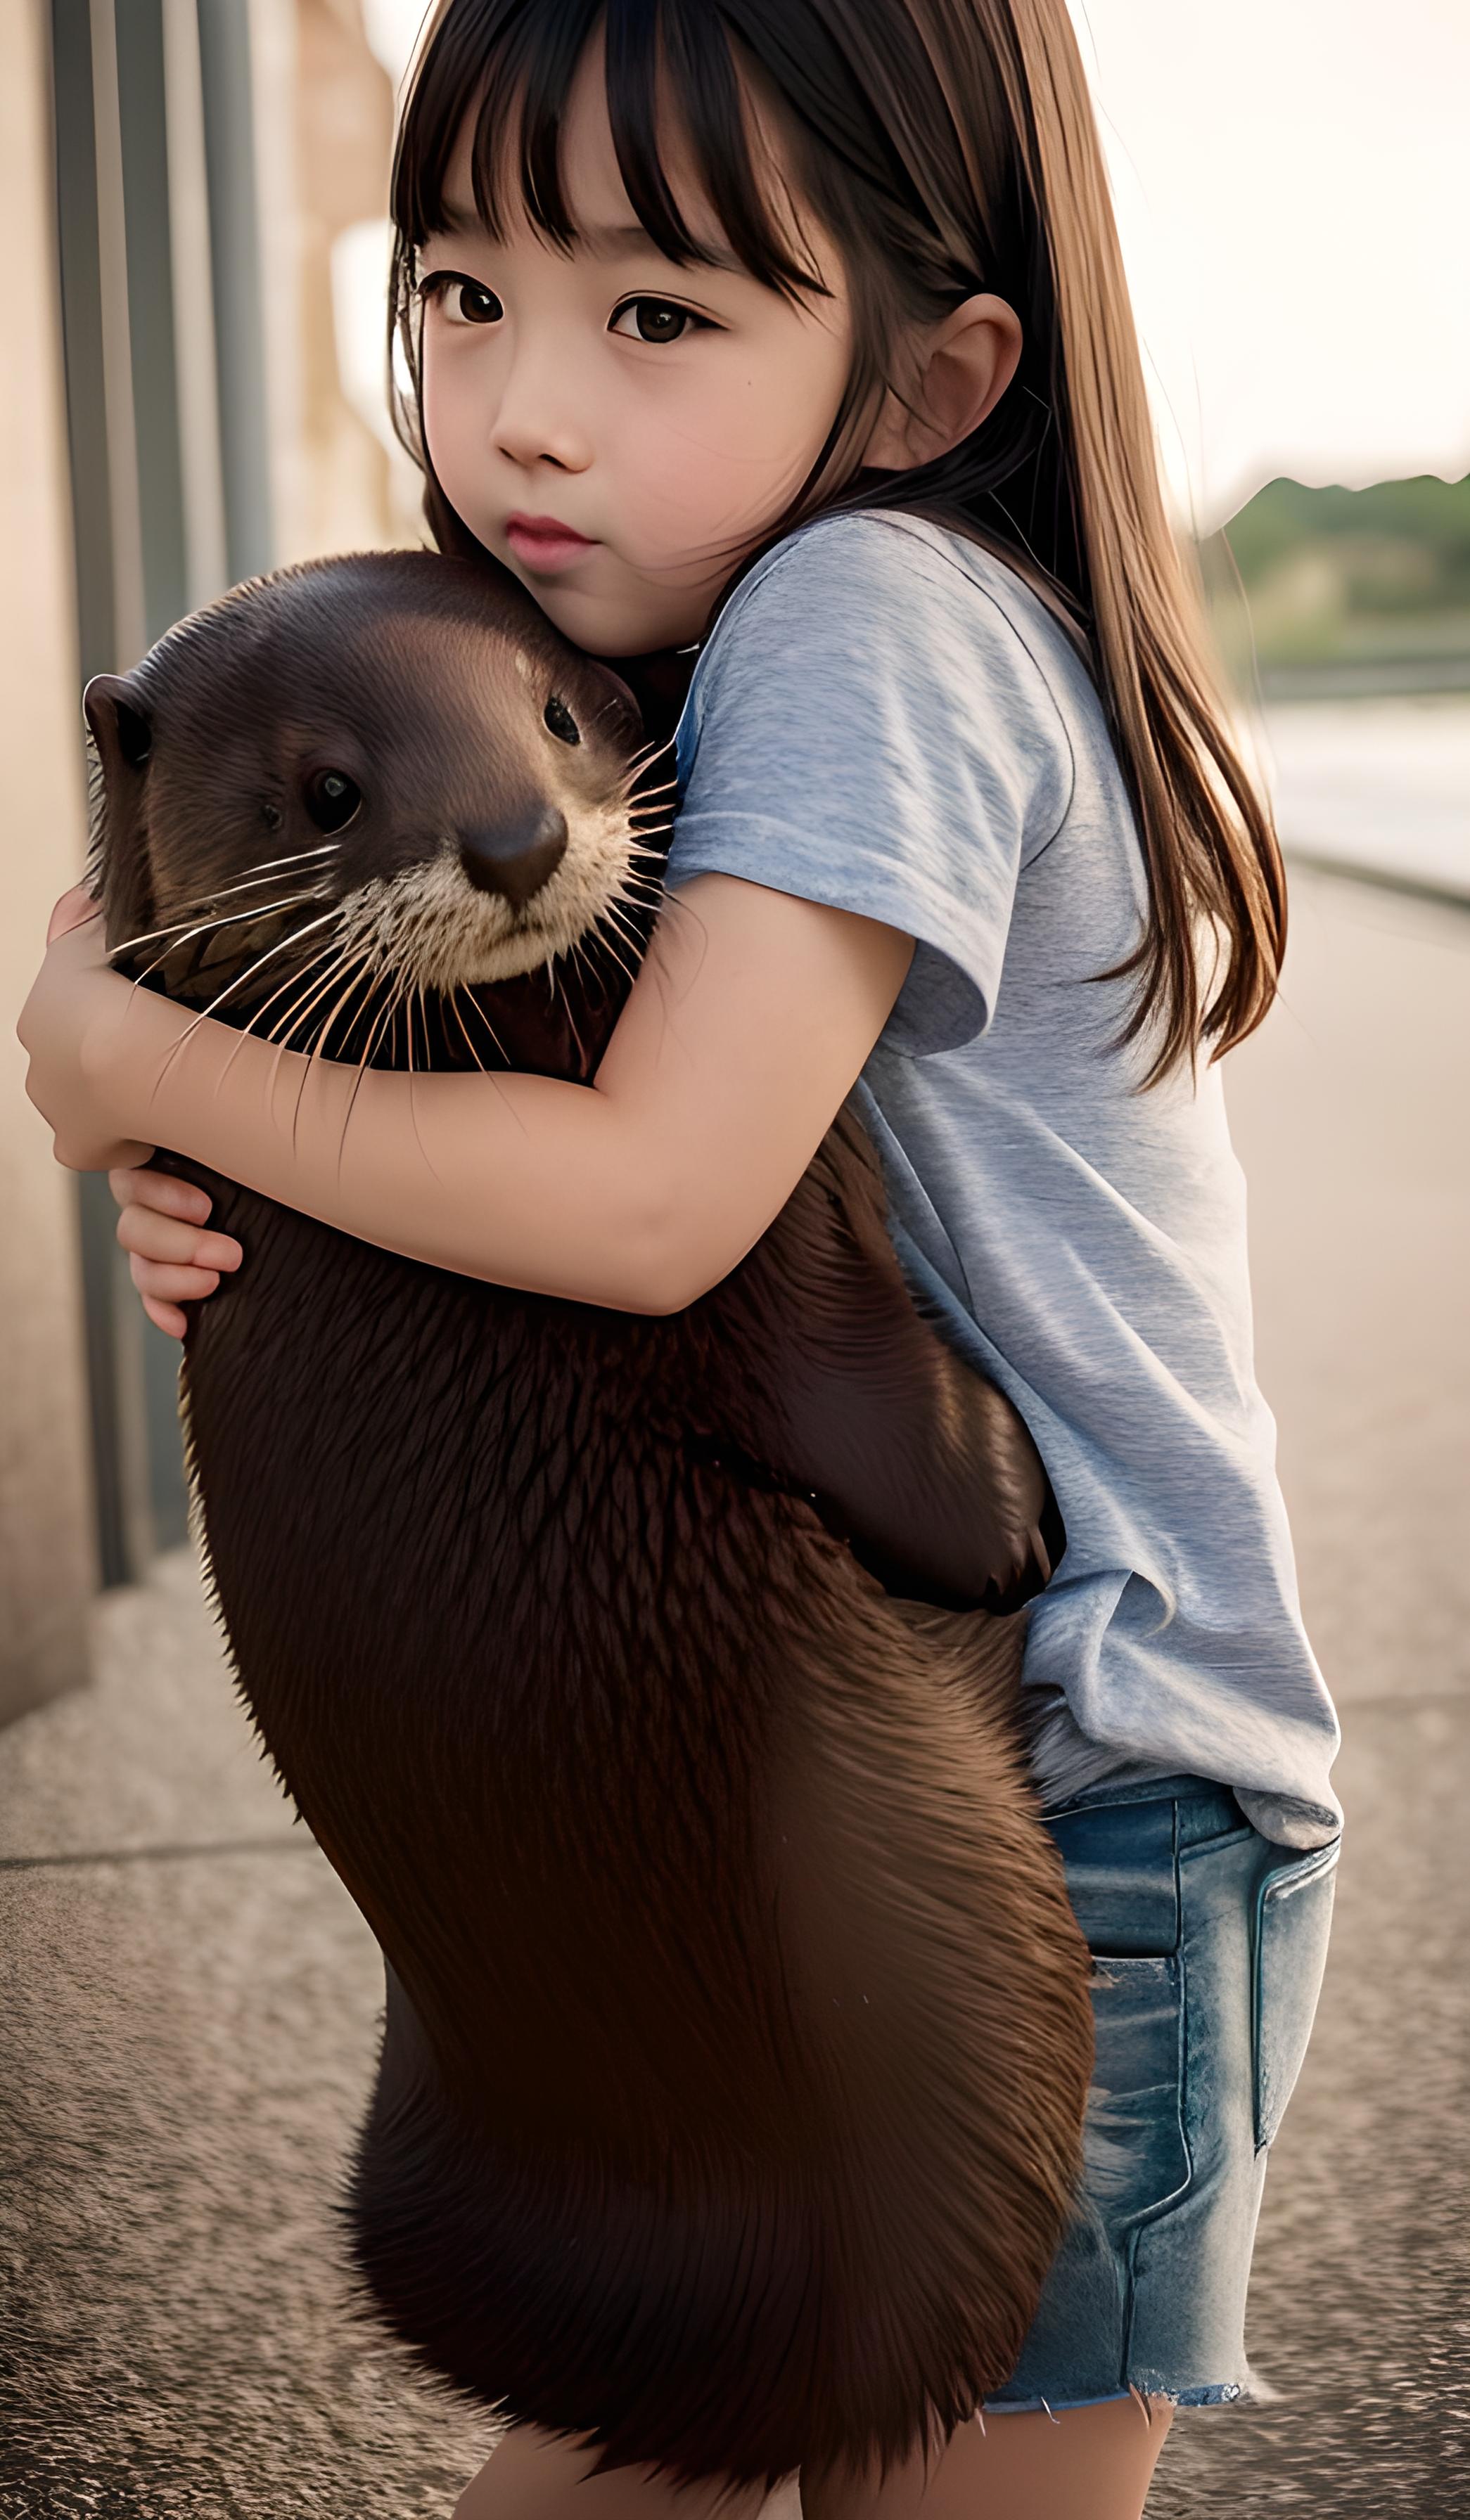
[{"x": 188, "y": 2000}]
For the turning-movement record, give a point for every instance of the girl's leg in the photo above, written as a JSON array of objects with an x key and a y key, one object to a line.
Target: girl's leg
[
  {"x": 1090, "y": 2463},
  {"x": 532, "y": 2475}
]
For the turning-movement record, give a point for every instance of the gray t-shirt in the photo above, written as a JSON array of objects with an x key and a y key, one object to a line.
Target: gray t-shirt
[{"x": 887, "y": 719}]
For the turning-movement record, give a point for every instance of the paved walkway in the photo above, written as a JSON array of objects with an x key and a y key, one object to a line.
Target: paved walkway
[{"x": 188, "y": 2001}]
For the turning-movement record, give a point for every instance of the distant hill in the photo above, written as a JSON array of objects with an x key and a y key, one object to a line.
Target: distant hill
[{"x": 1347, "y": 590}]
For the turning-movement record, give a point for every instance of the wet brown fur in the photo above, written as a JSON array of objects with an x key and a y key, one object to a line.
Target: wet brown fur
[{"x": 737, "y": 2033}]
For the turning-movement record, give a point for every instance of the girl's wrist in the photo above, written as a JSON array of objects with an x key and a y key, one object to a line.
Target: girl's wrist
[{"x": 127, "y": 1042}]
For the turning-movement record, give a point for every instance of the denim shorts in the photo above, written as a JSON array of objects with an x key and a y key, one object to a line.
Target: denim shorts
[{"x": 1209, "y": 1945}]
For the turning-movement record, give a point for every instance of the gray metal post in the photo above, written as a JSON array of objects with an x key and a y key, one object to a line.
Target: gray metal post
[
  {"x": 224, "y": 52},
  {"x": 167, "y": 420}
]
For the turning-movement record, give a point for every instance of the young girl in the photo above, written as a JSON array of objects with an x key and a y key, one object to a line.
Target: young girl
[{"x": 794, "y": 330}]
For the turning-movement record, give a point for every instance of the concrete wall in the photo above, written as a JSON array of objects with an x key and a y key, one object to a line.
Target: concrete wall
[{"x": 46, "y": 1559}]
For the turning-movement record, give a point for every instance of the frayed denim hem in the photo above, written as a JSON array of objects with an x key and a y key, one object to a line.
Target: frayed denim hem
[{"x": 1224, "y": 2393}]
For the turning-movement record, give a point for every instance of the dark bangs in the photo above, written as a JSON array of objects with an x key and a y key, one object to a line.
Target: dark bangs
[
  {"x": 870, "y": 148},
  {"x": 519, "y": 58}
]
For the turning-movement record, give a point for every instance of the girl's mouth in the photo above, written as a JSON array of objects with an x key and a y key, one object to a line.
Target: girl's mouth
[{"x": 544, "y": 543}]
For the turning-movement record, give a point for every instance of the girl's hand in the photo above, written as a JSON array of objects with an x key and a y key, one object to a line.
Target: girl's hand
[
  {"x": 174, "y": 1261},
  {"x": 67, "y": 1024}
]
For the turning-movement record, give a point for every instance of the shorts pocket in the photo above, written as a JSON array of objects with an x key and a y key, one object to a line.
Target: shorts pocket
[
  {"x": 1123, "y": 1875},
  {"x": 1293, "y": 1922},
  {"x": 1137, "y": 2157}
]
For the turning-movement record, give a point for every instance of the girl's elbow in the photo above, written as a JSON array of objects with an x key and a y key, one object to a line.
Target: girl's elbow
[
  {"x": 666, "y": 1283},
  {"x": 674, "y": 1266}
]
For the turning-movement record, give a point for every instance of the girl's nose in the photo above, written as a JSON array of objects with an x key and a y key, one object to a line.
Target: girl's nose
[{"x": 534, "y": 424}]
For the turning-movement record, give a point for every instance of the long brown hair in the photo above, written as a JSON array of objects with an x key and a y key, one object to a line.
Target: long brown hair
[{"x": 948, "y": 147}]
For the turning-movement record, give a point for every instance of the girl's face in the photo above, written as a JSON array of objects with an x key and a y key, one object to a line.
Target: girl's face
[{"x": 619, "y": 430}]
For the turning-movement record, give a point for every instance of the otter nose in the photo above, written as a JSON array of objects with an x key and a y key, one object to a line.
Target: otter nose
[{"x": 516, "y": 860}]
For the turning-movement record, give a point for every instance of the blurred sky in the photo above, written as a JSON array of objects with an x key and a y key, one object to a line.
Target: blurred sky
[{"x": 1293, "y": 189}]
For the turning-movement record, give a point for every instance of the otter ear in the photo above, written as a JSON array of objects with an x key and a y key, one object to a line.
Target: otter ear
[
  {"x": 605, "y": 674},
  {"x": 120, "y": 725}
]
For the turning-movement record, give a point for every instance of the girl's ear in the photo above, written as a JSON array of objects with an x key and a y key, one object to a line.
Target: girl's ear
[
  {"x": 119, "y": 870},
  {"x": 956, "y": 373}
]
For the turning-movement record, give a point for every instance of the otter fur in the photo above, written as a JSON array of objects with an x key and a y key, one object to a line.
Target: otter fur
[{"x": 737, "y": 2032}]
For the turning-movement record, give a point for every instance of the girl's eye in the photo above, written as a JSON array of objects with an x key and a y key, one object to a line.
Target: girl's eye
[
  {"x": 655, "y": 319},
  {"x": 464, "y": 301}
]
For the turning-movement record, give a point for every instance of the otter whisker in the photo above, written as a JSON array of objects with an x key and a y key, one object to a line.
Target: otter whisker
[
  {"x": 649, "y": 754},
  {"x": 637, "y": 783},
  {"x": 332, "y": 975},
  {"x": 614, "y": 910},
  {"x": 294, "y": 938},
  {"x": 499, "y": 1046},
  {"x": 298, "y": 1012},
  {"x": 363, "y": 973},
  {"x": 293, "y": 857},
  {"x": 222, "y": 892},
  {"x": 382, "y": 1025},
  {"x": 202, "y": 927},
  {"x": 271, "y": 1036},
  {"x": 582, "y": 1050},
  {"x": 386, "y": 1016},
  {"x": 272, "y": 866},
  {"x": 345, "y": 958},
  {"x": 412, "y": 1113},
  {"x": 611, "y": 950},
  {"x": 639, "y": 925},
  {"x": 648, "y": 889},
  {"x": 452, "y": 1000},
  {"x": 291, "y": 981}
]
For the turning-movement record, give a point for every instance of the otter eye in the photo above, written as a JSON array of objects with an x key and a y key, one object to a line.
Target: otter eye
[
  {"x": 332, "y": 800},
  {"x": 560, "y": 722}
]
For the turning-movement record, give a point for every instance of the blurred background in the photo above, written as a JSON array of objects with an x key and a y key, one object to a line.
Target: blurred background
[{"x": 194, "y": 193}]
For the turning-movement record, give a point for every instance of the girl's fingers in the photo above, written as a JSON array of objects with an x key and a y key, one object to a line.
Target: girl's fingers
[
  {"x": 162, "y": 1190},
  {"x": 166, "y": 1316},
  {"x": 149, "y": 1234},
  {"x": 172, "y": 1260},
  {"x": 157, "y": 1281}
]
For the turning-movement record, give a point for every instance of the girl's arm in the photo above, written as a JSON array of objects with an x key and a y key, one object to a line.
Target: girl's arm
[{"x": 751, "y": 1018}]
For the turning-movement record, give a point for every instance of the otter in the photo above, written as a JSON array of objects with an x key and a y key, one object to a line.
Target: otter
[{"x": 651, "y": 1683}]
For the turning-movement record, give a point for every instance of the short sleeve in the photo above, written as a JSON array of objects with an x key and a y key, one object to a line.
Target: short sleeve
[{"x": 870, "y": 727}]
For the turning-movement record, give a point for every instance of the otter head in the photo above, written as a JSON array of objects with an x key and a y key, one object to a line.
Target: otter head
[{"x": 355, "y": 805}]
